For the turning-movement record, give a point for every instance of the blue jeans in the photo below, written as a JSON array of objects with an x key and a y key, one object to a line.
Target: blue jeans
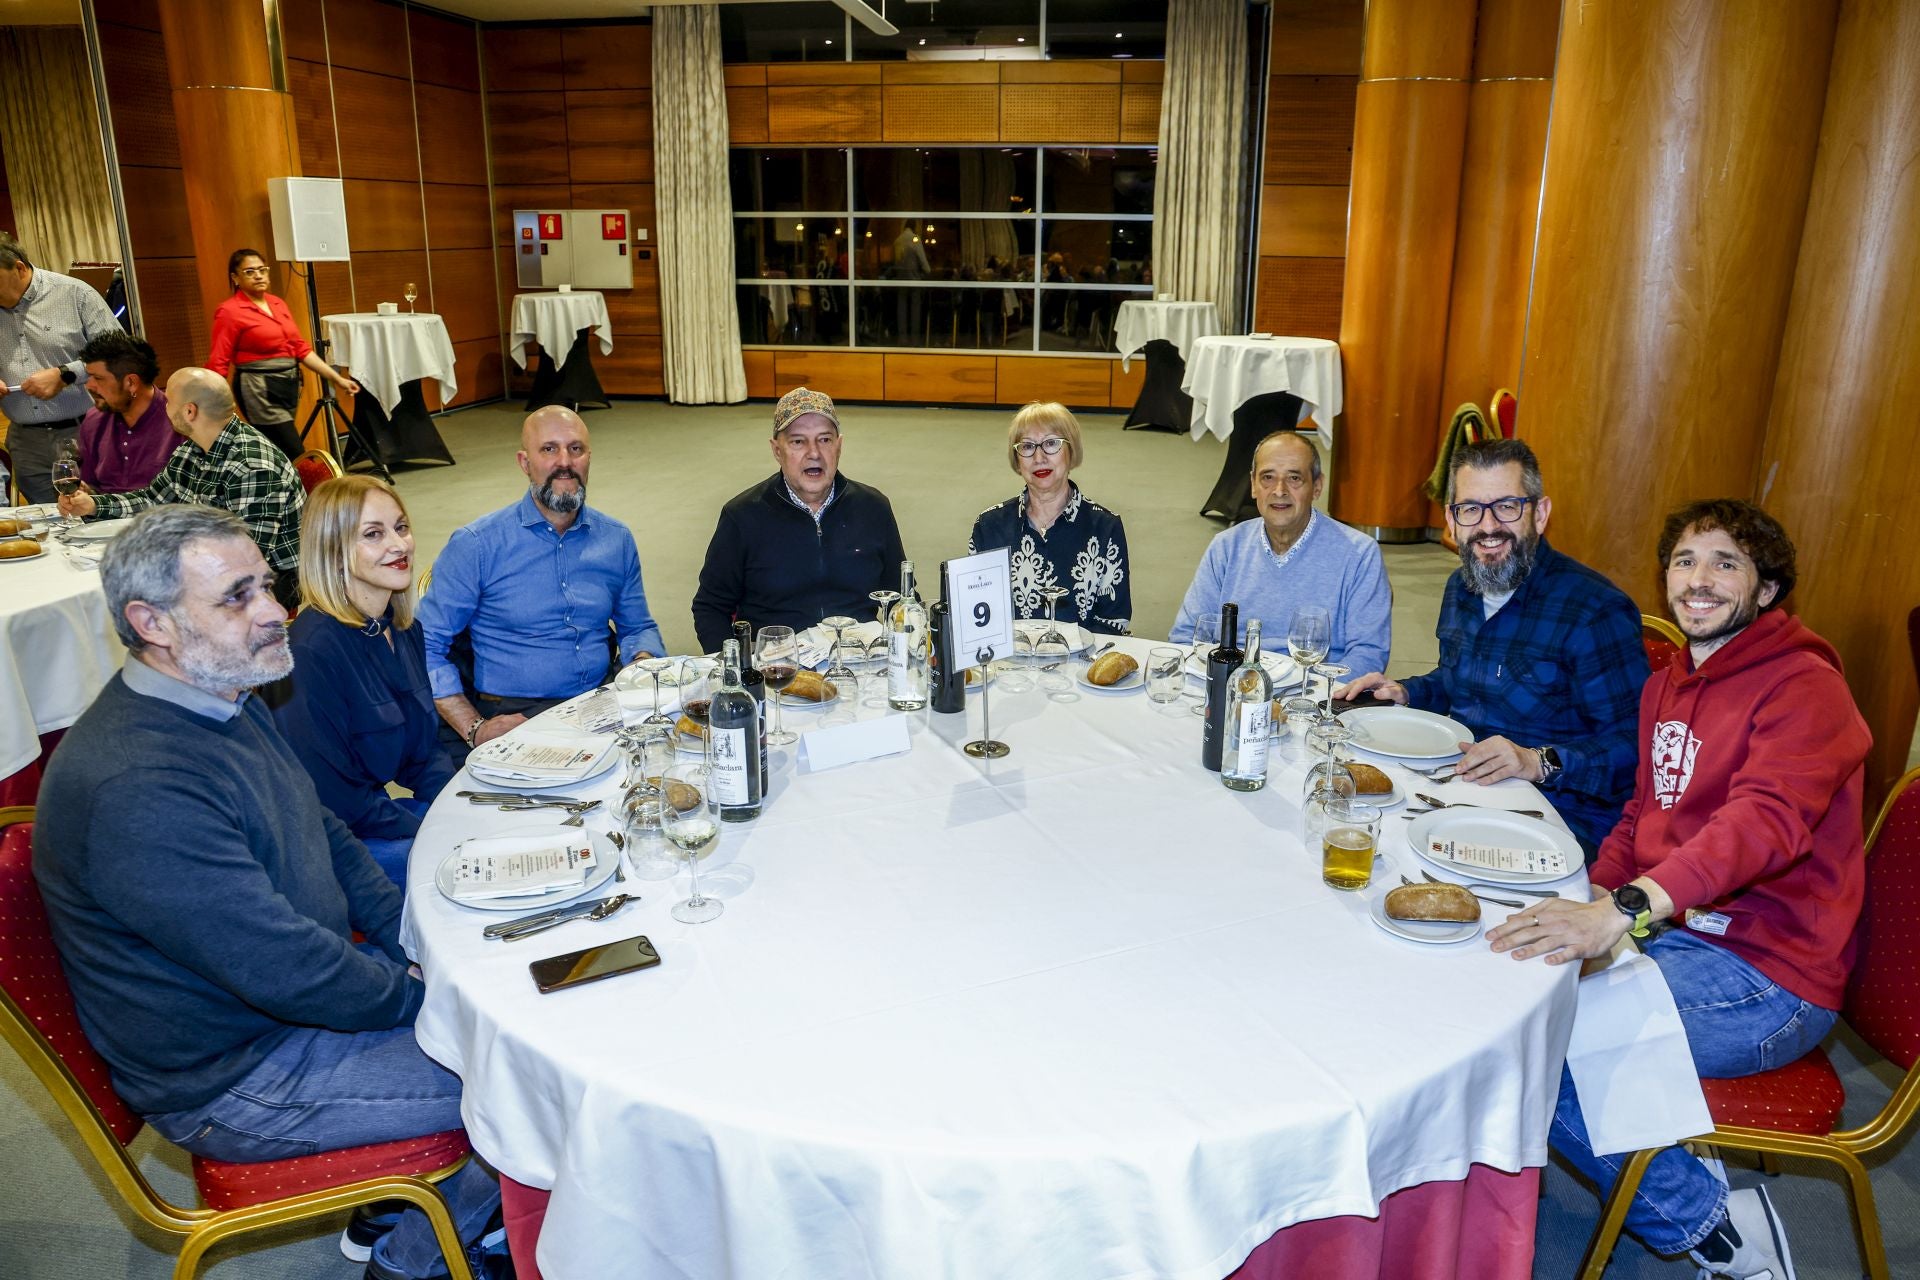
[
  {"x": 1739, "y": 1023},
  {"x": 392, "y": 855},
  {"x": 321, "y": 1090}
]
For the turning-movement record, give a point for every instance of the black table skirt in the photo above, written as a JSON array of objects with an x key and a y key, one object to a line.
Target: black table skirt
[
  {"x": 574, "y": 383},
  {"x": 407, "y": 435},
  {"x": 1162, "y": 405},
  {"x": 1232, "y": 496}
]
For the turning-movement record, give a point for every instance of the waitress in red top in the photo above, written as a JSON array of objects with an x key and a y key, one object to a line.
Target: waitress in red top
[{"x": 257, "y": 347}]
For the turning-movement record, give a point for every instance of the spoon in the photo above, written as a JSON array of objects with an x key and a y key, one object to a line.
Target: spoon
[
  {"x": 1505, "y": 888},
  {"x": 600, "y": 912},
  {"x": 1433, "y": 804}
]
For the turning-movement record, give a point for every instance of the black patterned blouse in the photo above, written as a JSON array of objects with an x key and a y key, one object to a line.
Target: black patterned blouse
[{"x": 1085, "y": 551}]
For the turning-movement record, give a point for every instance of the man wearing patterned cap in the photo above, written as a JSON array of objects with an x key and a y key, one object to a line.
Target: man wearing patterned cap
[{"x": 804, "y": 544}]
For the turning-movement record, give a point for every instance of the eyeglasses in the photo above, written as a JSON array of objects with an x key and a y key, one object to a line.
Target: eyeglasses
[
  {"x": 254, "y": 271},
  {"x": 1505, "y": 510},
  {"x": 1050, "y": 446}
]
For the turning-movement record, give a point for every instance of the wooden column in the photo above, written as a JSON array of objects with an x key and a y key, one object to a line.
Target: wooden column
[
  {"x": 1410, "y": 129},
  {"x": 1840, "y": 463},
  {"x": 1679, "y": 160},
  {"x": 1499, "y": 203},
  {"x": 236, "y": 126}
]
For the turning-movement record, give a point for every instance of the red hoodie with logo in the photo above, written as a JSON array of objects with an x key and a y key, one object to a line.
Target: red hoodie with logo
[{"x": 1746, "y": 804}]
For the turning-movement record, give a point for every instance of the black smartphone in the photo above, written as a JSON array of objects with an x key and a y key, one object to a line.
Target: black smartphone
[{"x": 593, "y": 964}]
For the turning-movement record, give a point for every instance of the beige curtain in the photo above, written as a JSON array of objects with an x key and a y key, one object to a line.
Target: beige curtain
[
  {"x": 1203, "y": 122},
  {"x": 50, "y": 137},
  {"x": 699, "y": 325}
]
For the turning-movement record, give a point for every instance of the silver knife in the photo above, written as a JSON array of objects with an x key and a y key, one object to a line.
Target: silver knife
[
  {"x": 567, "y": 912},
  {"x": 606, "y": 908},
  {"x": 506, "y": 797}
]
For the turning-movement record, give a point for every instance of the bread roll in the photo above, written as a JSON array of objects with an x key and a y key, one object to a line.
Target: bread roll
[
  {"x": 681, "y": 796},
  {"x": 9, "y": 526},
  {"x": 1448, "y": 902},
  {"x": 18, "y": 548},
  {"x": 1111, "y": 668},
  {"x": 810, "y": 686},
  {"x": 690, "y": 727},
  {"x": 1367, "y": 780}
]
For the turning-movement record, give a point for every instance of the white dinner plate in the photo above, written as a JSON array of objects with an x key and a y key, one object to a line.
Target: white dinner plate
[
  {"x": 1434, "y": 933},
  {"x": 606, "y": 859},
  {"x": 1493, "y": 826},
  {"x": 608, "y": 759},
  {"x": 1079, "y": 640},
  {"x": 40, "y": 549},
  {"x": 97, "y": 531},
  {"x": 818, "y": 640},
  {"x": 632, "y": 679},
  {"x": 1282, "y": 670},
  {"x": 1135, "y": 681},
  {"x": 1406, "y": 733},
  {"x": 807, "y": 704}
]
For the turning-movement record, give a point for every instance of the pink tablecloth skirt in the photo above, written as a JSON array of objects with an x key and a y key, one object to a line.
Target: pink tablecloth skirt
[{"x": 1481, "y": 1226}]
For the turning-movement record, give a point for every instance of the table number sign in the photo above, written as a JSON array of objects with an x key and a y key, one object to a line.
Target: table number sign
[{"x": 980, "y": 611}]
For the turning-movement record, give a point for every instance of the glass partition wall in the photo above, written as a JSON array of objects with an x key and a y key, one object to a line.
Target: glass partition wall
[{"x": 988, "y": 249}]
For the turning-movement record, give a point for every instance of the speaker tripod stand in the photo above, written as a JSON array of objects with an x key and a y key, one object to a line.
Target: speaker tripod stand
[{"x": 340, "y": 428}]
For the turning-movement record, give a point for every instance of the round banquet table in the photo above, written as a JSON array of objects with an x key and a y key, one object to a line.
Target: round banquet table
[
  {"x": 564, "y": 325},
  {"x": 57, "y": 649},
  {"x": 1080, "y": 1011}
]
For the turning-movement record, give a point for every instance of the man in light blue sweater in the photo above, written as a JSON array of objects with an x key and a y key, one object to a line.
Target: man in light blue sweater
[{"x": 1293, "y": 555}]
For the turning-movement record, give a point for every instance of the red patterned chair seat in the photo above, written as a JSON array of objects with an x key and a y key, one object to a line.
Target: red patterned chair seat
[
  {"x": 1801, "y": 1097},
  {"x": 235, "y": 1186}
]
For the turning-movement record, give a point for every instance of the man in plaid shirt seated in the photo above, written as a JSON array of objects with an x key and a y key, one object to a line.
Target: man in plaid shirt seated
[
  {"x": 227, "y": 464},
  {"x": 1539, "y": 655}
]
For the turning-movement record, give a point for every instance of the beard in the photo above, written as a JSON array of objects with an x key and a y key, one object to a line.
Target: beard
[
  {"x": 1739, "y": 617},
  {"x": 1505, "y": 575},
  {"x": 563, "y": 504},
  {"x": 216, "y": 666}
]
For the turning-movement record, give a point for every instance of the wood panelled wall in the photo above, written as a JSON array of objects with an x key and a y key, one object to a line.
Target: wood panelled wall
[
  {"x": 1313, "y": 76},
  {"x": 570, "y": 116},
  {"x": 387, "y": 98}
]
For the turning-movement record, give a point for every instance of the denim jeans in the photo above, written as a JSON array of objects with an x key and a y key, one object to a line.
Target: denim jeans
[
  {"x": 391, "y": 855},
  {"x": 1739, "y": 1022},
  {"x": 321, "y": 1090}
]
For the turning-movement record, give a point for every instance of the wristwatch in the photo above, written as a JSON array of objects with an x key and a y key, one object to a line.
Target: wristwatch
[
  {"x": 473, "y": 730},
  {"x": 66, "y": 376},
  {"x": 1631, "y": 901},
  {"x": 1549, "y": 761}
]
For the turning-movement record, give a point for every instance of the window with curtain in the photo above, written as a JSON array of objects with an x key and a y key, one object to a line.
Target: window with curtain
[{"x": 983, "y": 248}]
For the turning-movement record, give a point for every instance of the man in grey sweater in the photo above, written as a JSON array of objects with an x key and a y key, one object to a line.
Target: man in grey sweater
[{"x": 204, "y": 902}]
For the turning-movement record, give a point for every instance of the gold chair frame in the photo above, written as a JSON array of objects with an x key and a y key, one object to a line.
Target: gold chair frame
[
  {"x": 1664, "y": 629},
  {"x": 1844, "y": 1147},
  {"x": 332, "y": 463},
  {"x": 203, "y": 1228}
]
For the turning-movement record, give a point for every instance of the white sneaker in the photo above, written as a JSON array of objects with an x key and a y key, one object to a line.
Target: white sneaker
[{"x": 1762, "y": 1253}]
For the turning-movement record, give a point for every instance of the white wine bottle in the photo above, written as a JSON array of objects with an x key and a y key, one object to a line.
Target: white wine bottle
[
  {"x": 1249, "y": 720},
  {"x": 907, "y": 647}
]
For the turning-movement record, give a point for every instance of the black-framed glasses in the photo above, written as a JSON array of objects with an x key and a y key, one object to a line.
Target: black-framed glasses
[
  {"x": 1050, "y": 446},
  {"x": 1505, "y": 510}
]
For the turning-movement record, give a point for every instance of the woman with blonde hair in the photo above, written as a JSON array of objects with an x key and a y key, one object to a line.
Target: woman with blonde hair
[
  {"x": 1054, "y": 534},
  {"x": 361, "y": 715}
]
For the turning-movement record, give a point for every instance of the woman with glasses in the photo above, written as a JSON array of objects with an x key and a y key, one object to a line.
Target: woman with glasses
[
  {"x": 1056, "y": 537},
  {"x": 257, "y": 347}
]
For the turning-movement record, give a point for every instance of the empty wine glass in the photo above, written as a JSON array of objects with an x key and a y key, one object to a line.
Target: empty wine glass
[
  {"x": 837, "y": 669},
  {"x": 66, "y": 478},
  {"x": 1329, "y": 774},
  {"x": 775, "y": 653},
  {"x": 410, "y": 295},
  {"x": 692, "y": 828},
  {"x": 876, "y": 653},
  {"x": 656, "y": 667},
  {"x": 1206, "y": 638},
  {"x": 1309, "y": 635},
  {"x": 1328, "y": 671}
]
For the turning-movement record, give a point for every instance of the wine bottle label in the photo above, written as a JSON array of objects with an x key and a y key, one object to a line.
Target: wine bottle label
[
  {"x": 1256, "y": 723},
  {"x": 730, "y": 759},
  {"x": 900, "y": 664}
]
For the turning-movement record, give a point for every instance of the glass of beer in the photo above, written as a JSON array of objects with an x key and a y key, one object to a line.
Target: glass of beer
[{"x": 1349, "y": 835}]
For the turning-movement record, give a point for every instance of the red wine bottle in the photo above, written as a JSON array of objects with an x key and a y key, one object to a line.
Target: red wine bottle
[{"x": 1221, "y": 665}]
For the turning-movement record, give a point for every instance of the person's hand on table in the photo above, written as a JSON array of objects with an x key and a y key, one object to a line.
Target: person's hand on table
[
  {"x": 1562, "y": 931},
  {"x": 78, "y": 505},
  {"x": 1496, "y": 759},
  {"x": 494, "y": 726},
  {"x": 1374, "y": 683},
  {"x": 43, "y": 385}
]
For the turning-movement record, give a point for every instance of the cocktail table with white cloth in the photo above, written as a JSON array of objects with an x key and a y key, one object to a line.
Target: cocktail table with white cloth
[
  {"x": 562, "y": 325},
  {"x": 1078, "y": 1012},
  {"x": 1244, "y": 387},
  {"x": 388, "y": 356},
  {"x": 57, "y": 649},
  {"x": 1164, "y": 331}
]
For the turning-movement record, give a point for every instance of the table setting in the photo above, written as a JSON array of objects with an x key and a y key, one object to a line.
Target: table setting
[{"x": 1014, "y": 985}]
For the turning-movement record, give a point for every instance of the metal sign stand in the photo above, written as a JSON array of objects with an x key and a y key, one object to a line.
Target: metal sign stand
[{"x": 985, "y": 747}]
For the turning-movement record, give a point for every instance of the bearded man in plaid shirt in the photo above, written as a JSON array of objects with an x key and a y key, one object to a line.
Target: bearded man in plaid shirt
[
  {"x": 226, "y": 464},
  {"x": 1539, "y": 655}
]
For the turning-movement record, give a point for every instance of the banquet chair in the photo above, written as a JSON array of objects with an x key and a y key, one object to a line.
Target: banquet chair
[
  {"x": 316, "y": 467},
  {"x": 7, "y": 494},
  {"x": 39, "y": 1022},
  {"x": 1795, "y": 1110},
  {"x": 1662, "y": 639}
]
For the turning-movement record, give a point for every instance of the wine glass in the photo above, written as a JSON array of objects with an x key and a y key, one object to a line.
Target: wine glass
[
  {"x": 877, "y": 652},
  {"x": 410, "y": 295},
  {"x": 692, "y": 828},
  {"x": 696, "y": 696},
  {"x": 1327, "y": 671},
  {"x": 1309, "y": 635},
  {"x": 776, "y": 654},
  {"x": 837, "y": 669},
  {"x": 66, "y": 478},
  {"x": 1329, "y": 774},
  {"x": 656, "y": 667},
  {"x": 649, "y": 761},
  {"x": 1206, "y": 638},
  {"x": 1052, "y": 645}
]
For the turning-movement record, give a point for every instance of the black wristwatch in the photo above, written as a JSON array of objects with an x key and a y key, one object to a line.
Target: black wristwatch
[
  {"x": 1632, "y": 902},
  {"x": 1549, "y": 761},
  {"x": 66, "y": 376}
]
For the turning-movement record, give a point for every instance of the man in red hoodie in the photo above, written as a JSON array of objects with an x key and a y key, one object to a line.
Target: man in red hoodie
[{"x": 1744, "y": 832}]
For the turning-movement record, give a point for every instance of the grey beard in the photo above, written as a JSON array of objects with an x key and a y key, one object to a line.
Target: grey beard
[
  {"x": 1498, "y": 579},
  {"x": 213, "y": 671},
  {"x": 561, "y": 504}
]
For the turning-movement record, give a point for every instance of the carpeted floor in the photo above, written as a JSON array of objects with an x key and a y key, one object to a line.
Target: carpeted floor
[{"x": 666, "y": 470}]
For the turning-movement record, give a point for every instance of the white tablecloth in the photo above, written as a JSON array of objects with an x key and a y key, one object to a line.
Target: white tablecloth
[
  {"x": 1225, "y": 373},
  {"x": 384, "y": 351},
  {"x": 552, "y": 320},
  {"x": 57, "y": 649},
  {"x": 1079, "y": 1012},
  {"x": 1180, "y": 323}
]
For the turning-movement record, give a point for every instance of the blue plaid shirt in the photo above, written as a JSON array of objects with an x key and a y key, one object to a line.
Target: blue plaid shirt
[{"x": 1559, "y": 665}]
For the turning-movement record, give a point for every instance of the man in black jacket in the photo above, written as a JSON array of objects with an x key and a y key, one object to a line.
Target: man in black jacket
[{"x": 806, "y": 543}]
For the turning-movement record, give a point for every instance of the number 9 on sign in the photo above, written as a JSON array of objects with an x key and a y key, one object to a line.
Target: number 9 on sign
[{"x": 982, "y": 613}]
